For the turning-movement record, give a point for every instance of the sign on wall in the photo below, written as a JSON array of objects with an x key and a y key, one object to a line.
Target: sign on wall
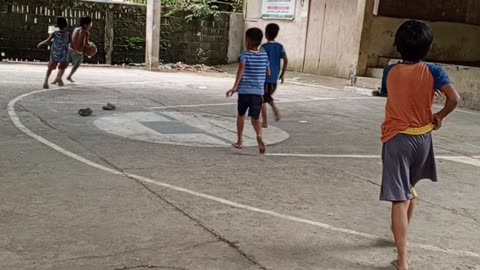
[{"x": 278, "y": 9}]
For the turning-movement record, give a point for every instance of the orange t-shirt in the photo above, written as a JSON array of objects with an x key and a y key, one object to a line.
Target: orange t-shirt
[{"x": 410, "y": 89}]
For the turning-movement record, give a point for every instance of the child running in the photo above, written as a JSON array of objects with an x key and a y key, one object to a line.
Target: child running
[
  {"x": 408, "y": 154},
  {"x": 59, "y": 41},
  {"x": 80, "y": 41},
  {"x": 275, "y": 52},
  {"x": 252, "y": 71}
]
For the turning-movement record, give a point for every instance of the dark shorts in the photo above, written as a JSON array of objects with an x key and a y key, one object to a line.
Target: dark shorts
[
  {"x": 407, "y": 159},
  {"x": 252, "y": 103},
  {"x": 270, "y": 88}
]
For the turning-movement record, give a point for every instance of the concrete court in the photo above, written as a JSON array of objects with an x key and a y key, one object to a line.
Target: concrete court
[{"x": 154, "y": 185}]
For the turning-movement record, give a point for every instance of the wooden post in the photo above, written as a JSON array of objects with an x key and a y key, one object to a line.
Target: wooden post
[
  {"x": 152, "y": 42},
  {"x": 108, "y": 35}
]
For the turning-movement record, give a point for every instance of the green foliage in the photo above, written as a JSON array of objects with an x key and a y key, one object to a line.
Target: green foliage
[
  {"x": 198, "y": 8},
  {"x": 134, "y": 43},
  {"x": 165, "y": 43}
]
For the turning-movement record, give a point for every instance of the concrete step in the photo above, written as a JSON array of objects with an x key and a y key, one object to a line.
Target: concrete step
[
  {"x": 375, "y": 72},
  {"x": 369, "y": 83}
]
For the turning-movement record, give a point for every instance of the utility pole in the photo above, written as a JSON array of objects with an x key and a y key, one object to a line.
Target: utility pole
[{"x": 152, "y": 42}]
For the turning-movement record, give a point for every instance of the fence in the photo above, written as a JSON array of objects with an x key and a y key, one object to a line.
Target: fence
[{"x": 118, "y": 31}]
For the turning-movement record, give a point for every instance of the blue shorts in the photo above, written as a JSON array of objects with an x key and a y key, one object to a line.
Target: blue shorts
[{"x": 251, "y": 103}]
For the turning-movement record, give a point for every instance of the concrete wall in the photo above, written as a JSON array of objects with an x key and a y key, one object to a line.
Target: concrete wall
[
  {"x": 199, "y": 41},
  {"x": 466, "y": 80},
  {"x": 292, "y": 33},
  {"x": 324, "y": 38},
  {"x": 453, "y": 43},
  {"x": 334, "y": 35},
  {"x": 464, "y": 11},
  {"x": 235, "y": 37}
]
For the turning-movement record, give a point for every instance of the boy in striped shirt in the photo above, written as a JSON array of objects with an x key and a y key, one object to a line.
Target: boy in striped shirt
[{"x": 250, "y": 82}]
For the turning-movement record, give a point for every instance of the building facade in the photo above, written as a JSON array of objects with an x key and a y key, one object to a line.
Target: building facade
[{"x": 347, "y": 37}]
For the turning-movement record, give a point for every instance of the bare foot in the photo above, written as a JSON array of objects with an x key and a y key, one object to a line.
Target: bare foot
[
  {"x": 70, "y": 79},
  {"x": 237, "y": 145},
  {"x": 261, "y": 145},
  {"x": 45, "y": 86},
  {"x": 60, "y": 83},
  {"x": 277, "y": 115},
  {"x": 264, "y": 125},
  {"x": 399, "y": 266}
]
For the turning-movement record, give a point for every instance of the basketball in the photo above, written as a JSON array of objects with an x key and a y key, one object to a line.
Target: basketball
[{"x": 91, "y": 50}]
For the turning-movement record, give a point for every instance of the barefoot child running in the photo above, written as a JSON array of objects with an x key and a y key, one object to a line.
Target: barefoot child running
[
  {"x": 408, "y": 154},
  {"x": 80, "y": 41},
  {"x": 59, "y": 41},
  {"x": 275, "y": 52},
  {"x": 252, "y": 71}
]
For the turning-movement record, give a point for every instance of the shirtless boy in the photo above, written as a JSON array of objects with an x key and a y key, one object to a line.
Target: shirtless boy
[{"x": 80, "y": 40}]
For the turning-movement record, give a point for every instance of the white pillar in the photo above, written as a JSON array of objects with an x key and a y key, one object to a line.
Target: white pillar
[{"x": 152, "y": 42}]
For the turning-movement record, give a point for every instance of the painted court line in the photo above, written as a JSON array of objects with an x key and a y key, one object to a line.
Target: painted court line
[
  {"x": 235, "y": 103},
  {"x": 474, "y": 161},
  {"x": 16, "y": 120},
  {"x": 322, "y": 155},
  {"x": 312, "y": 85}
]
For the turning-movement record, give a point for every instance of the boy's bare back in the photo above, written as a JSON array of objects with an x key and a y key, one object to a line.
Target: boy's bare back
[{"x": 80, "y": 39}]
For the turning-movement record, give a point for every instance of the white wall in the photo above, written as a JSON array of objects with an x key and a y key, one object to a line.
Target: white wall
[
  {"x": 334, "y": 36},
  {"x": 292, "y": 33},
  {"x": 328, "y": 44}
]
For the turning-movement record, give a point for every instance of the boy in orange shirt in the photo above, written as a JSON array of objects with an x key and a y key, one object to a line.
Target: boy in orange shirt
[{"x": 408, "y": 154}]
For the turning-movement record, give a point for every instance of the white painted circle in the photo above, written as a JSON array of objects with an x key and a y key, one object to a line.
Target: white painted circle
[{"x": 183, "y": 128}]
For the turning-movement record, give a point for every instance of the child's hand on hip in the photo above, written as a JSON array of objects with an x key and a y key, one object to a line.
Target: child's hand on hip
[
  {"x": 439, "y": 94},
  {"x": 437, "y": 121}
]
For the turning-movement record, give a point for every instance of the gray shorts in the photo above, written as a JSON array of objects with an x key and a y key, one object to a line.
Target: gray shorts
[
  {"x": 407, "y": 159},
  {"x": 75, "y": 58}
]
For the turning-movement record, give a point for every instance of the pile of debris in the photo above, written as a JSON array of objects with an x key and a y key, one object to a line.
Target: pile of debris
[{"x": 180, "y": 66}]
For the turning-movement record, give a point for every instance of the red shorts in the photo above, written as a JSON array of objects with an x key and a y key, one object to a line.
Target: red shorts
[{"x": 53, "y": 65}]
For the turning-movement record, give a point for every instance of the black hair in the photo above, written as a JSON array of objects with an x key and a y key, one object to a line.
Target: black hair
[
  {"x": 272, "y": 31},
  {"x": 255, "y": 36},
  {"x": 85, "y": 20},
  {"x": 413, "y": 40},
  {"x": 62, "y": 22}
]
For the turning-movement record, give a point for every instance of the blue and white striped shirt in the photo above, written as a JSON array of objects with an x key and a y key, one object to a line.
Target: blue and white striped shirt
[{"x": 253, "y": 80}]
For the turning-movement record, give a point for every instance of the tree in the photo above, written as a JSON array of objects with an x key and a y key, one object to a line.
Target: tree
[{"x": 199, "y": 8}]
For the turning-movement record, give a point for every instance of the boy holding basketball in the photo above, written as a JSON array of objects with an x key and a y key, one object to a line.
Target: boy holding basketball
[
  {"x": 408, "y": 154},
  {"x": 250, "y": 81},
  {"x": 80, "y": 42},
  {"x": 276, "y": 53}
]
